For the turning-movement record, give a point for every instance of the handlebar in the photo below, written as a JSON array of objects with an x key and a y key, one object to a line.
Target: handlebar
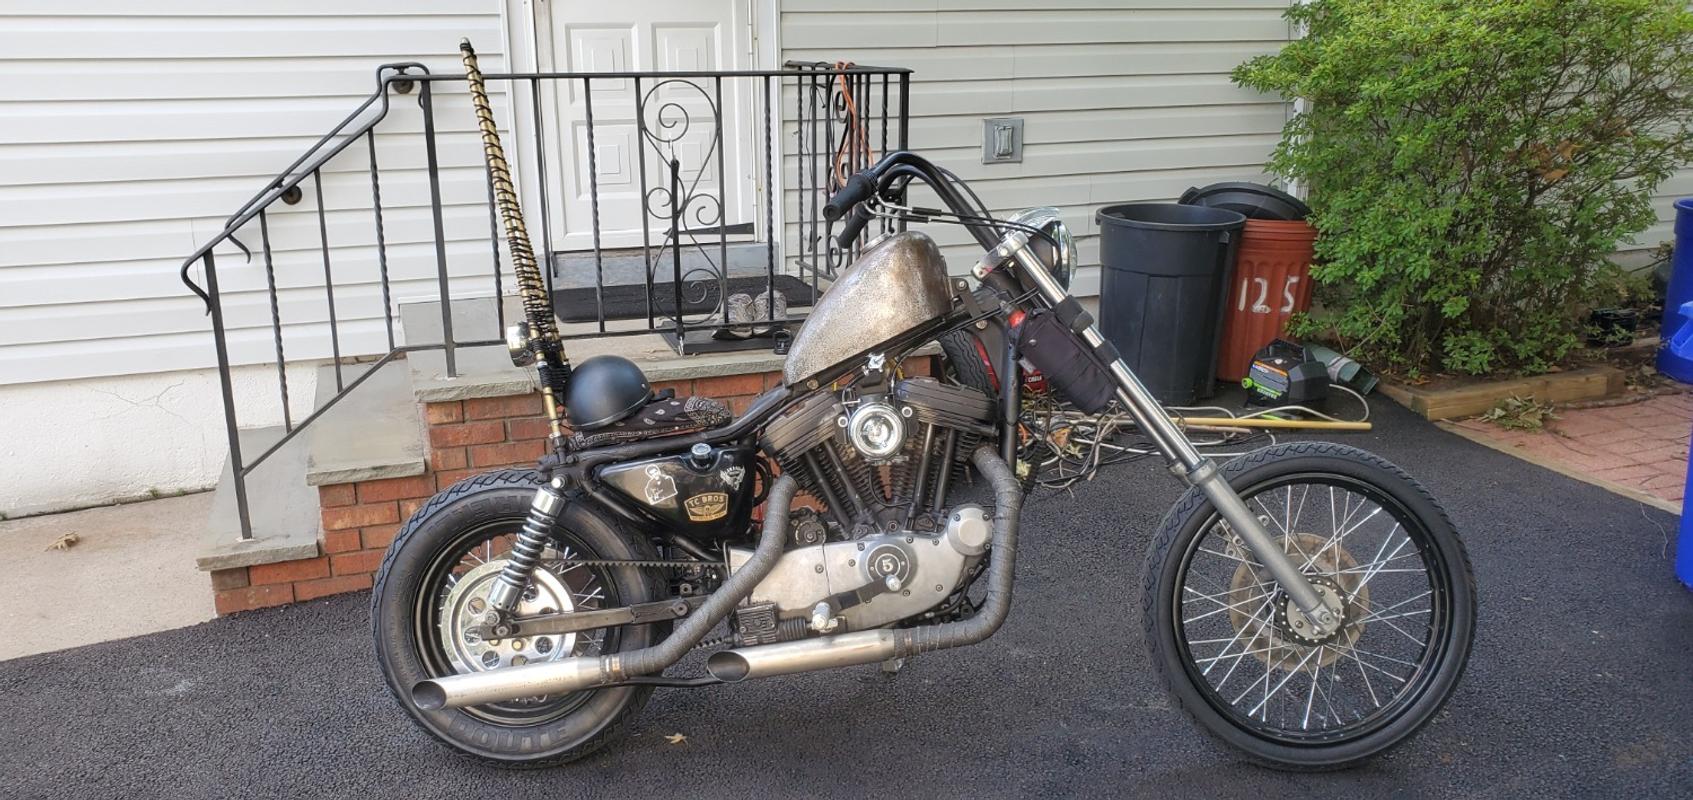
[
  {"x": 904, "y": 165},
  {"x": 858, "y": 188},
  {"x": 855, "y": 222}
]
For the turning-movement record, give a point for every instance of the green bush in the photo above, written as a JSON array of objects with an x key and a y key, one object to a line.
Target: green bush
[{"x": 1471, "y": 163}]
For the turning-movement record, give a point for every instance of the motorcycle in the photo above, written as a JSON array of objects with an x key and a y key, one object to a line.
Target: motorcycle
[{"x": 1307, "y": 603}]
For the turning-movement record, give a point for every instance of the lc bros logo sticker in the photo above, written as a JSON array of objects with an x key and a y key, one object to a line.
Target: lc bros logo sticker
[{"x": 707, "y": 507}]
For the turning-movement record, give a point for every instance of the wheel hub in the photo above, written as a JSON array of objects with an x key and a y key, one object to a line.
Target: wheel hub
[
  {"x": 467, "y": 605},
  {"x": 1294, "y": 625},
  {"x": 1273, "y": 629}
]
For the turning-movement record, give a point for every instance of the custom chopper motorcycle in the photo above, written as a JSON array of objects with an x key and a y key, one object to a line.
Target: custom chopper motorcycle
[{"x": 1307, "y": 603}]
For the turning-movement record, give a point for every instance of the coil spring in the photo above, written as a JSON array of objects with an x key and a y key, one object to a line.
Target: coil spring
[
  {"x": 530, "y": 284},
  {"x": 526, "y": 552}
]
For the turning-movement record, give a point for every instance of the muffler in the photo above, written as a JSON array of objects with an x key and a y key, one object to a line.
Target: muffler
[
  {"x": 577, "y": 674},
  {"x": 805, "y": 655},
  {"x": 869, "y": 647}
]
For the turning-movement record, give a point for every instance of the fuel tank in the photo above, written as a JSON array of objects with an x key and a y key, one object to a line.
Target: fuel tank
[{"x": 896, "y": 285}]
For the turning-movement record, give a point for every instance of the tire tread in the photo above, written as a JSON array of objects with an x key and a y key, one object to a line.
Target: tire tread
[
  {"x": 519, "y": 477},
  {"x": 1170, "y": 529}
]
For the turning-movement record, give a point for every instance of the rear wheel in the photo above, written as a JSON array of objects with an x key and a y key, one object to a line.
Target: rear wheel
[
  {"x": 433, "y": 587},
  {"x": 1242, "y": 660}
]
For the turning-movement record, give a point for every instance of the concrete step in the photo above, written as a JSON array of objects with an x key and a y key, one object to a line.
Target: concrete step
[
  {"x": 372, "y": 432},
  {"x": 577, "y": 269},
  {"x": 487, "y": 371},
  {"x": 283, "y": 509}
]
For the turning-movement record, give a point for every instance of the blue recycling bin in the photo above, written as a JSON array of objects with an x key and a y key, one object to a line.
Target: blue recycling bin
[
  {"x": 1679, "y": 349},
  {"x": 1684, "y": 544},
  {"x": 1671, "y": 362}
]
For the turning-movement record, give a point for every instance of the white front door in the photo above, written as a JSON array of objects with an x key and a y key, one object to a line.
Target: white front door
[{"x": 705, "y": 125}]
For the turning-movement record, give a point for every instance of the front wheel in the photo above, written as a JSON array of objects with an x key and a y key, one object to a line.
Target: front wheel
[{"x": 1365, "y": 534}]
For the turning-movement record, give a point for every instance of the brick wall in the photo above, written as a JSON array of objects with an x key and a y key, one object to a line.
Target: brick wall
[{"x": 466, "y": 437}]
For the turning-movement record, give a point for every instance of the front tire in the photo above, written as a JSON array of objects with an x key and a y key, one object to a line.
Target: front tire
[
  {"x": 453, "y": 538},
  {"x": 1221, "y": 637}
]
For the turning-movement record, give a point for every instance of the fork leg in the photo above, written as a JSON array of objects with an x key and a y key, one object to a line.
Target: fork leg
[{"x": 1185, "y": 460}]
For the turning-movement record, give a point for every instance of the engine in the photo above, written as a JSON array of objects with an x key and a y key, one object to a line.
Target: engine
[
  {"x": 881, "y": 461},
  {"x": 887, "y": 545}
]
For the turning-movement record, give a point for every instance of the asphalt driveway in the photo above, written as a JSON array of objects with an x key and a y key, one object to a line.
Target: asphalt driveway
[{"x": 1581, "y": 684}]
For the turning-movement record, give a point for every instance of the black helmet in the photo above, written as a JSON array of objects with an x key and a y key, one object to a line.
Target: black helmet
[{"x": 603, "y": 390}]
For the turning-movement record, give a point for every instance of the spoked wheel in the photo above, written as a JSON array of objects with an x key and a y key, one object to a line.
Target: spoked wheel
[
  {"x": 462, "y": 578},
  {"x": 1243, "y": 660},
  {"x": 433, "y": 589}
]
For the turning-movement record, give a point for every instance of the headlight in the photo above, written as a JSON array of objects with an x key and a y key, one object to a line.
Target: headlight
[
  {"x": 1046, "y": 218},
  {"x": 517, "y": 344}
]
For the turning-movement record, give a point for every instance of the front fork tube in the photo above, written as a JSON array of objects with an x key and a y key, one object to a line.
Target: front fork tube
[
  {"x": 1185, "y": 460},
  {"x": 1010, "y": 397},
  {"x": 509, "y": 586}
]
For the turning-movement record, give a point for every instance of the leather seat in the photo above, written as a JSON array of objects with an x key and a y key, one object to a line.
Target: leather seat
[{"x": 664, "y": 415}]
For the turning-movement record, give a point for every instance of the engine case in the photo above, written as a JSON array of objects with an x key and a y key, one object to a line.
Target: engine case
[{"x": 852, "y": 575}]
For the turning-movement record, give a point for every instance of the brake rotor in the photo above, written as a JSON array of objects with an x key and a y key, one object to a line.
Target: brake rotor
[
  {"x": 1271, "y": 628},
  {"x": 467, "y": 604}
]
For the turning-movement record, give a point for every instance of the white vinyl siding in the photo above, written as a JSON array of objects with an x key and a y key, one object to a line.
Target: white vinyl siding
[
  {"x": 1121, "y": 101},
  {"x": 130, "y": 131},
  {"x": 1678, "y": 186}
]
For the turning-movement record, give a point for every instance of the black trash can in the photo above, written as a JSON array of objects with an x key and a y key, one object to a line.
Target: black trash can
[{"x": 1166, "y": 274}]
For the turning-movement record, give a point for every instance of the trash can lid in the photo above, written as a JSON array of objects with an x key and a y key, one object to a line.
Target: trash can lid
[
  {"x": 1170, "y": 217},
  {"x": 1255, "y": 200}
]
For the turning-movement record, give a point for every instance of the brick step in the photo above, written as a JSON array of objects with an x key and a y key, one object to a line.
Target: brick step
[
  {"x": 284, "y": 515},
  {"x": 373, "y": 433}
]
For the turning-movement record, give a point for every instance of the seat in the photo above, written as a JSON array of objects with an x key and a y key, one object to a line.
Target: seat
[{"x": 664, "y": 415}]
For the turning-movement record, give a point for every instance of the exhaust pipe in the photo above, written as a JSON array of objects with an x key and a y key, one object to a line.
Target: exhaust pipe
[
  {"x": 805, "y": 655},
  {"x": 869, "y": 647},
  {"x": 577, "y": 674}
]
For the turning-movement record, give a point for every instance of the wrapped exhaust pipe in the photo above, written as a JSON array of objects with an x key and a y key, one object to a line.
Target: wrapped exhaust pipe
[
  {"x": 869, "y": 647},
  {"x": 577, "y": 674}
]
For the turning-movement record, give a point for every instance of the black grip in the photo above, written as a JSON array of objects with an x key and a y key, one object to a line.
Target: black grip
[
  {"x": 858, "y": 188},
  {"x": 853, "y": 226}
]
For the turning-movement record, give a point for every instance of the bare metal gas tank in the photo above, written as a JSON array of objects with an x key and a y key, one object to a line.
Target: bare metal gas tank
[{"x": 895, "y": 286}]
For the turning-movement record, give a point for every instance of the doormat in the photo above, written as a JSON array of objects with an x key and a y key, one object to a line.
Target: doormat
[{"x": 629, "y": 301}]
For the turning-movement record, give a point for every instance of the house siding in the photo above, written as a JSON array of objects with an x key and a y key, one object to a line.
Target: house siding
[
  {"x": 1121, "y": 101},
  {"x": 130, "y": 131}
]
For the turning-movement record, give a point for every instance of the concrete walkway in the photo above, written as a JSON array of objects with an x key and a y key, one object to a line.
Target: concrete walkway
[{"x": 130, "y": 572}]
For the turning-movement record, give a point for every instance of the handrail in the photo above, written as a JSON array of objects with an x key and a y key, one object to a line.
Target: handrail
[
  {"x": 830, "y": 127},
  {"x": 282, "y": 183}
]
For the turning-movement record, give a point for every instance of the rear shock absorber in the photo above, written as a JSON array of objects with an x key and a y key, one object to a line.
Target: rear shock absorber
[{"x": 508, "y": 588}]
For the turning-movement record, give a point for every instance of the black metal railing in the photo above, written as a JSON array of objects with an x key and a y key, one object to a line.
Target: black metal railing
[{"x": 689, "y": 228}]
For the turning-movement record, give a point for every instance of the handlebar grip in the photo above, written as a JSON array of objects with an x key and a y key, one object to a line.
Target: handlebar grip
[
  {"x": 858, "y": 188},
  {"x": 853, "y": 226}
]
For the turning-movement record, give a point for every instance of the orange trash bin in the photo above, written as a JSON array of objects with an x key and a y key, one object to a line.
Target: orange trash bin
[{"x": 1272, "y": 280}]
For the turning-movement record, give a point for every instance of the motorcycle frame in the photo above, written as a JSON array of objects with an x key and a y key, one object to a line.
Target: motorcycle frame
[
  {"x": 578, "y": 467},
  {"x": 889, "y": 177}
]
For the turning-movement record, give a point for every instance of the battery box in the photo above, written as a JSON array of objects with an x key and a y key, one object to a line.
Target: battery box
[{"x": 1282, "y": 374}]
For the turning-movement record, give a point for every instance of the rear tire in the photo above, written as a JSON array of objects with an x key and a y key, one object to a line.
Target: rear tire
[
  {"x": 408, "y": 648},
  {"x": 1192, "y": 537},
  {"x": 966, "y": 364}
]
